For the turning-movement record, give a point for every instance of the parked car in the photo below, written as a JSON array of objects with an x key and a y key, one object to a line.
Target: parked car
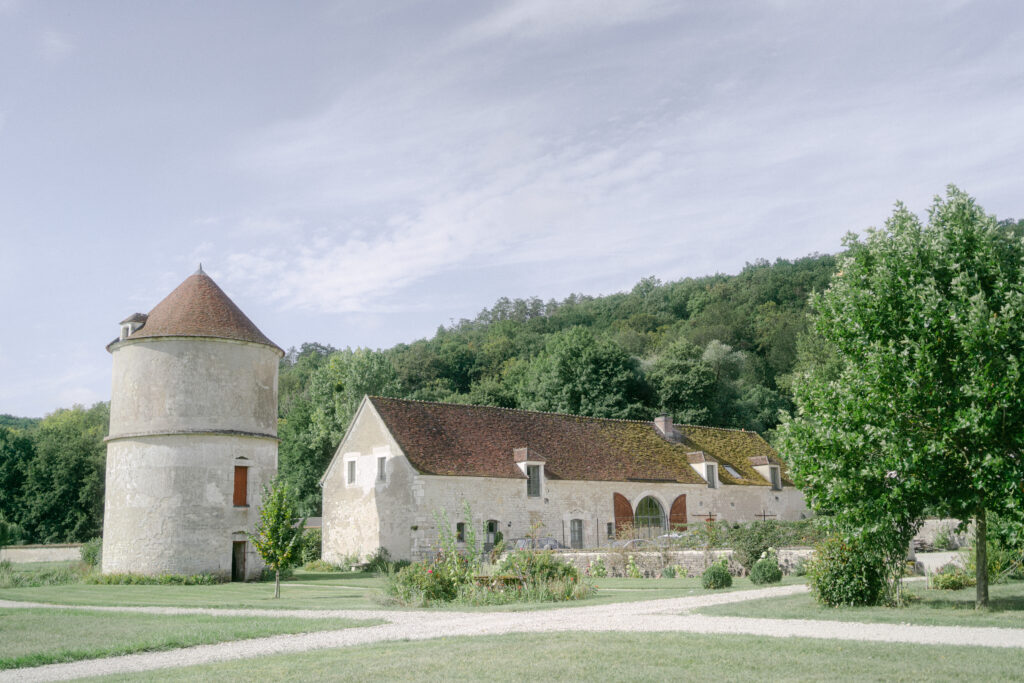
[
  {"x": 636, "y": 544},
  {"x": 539, "y": 543}
]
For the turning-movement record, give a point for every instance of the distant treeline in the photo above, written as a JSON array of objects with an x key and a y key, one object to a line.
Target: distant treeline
[{"x": 719, "y": 350}]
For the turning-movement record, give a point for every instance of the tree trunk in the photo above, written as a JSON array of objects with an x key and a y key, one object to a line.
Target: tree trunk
[
  {"x": 277, "y": 584},
  {"x": 981, "y": 560}
]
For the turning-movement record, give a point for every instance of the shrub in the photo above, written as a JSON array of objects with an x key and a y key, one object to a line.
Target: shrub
[
  {"x": 598, "y": 568},
  {"x": 951, "y": 577},
  {"x": 668, "y": 572},
  {"x": 321, "y": 566},
  {"x": 800, "y": 567},
  {"x": 537, "y": 567},
  {"x": 632, "y": 571},
  {"x": 422, "y": 583},
  {"x": 766, "y": 570},
  {"x": 92, "y": 552},
  {"x": 379, "y": 561},
  {"x": 311, "y": 544},
  {"x": 716, "y": 575},
  {"x": 205, "y": 579},
  {"x": 12, "y": 577},
  {"x": 845, "y": 573},
  {"x": 267, "y": 574},
  {"x": 944, "y": 539}
]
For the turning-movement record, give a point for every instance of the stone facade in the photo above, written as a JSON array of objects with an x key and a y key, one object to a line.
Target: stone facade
[
  {"x": 400, "y": 511},
  {"x": 193, "y": 438}
]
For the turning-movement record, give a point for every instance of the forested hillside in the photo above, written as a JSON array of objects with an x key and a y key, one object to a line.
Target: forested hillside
[{"x": 715, "y": 350}]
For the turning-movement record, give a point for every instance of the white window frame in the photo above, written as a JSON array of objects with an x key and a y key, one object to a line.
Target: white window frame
[
  {"x": 382, "y": 468},
  {"x": 775, "y": 474},
  {"x": 540, "y": 481},
  {"x": 350, "y": 472}
]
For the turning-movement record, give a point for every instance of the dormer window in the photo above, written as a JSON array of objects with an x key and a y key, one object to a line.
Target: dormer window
[
  {"x": 531, "y": 463},
  {"x": 776, "y": 477},
  {"x": 711, "y": 474}
]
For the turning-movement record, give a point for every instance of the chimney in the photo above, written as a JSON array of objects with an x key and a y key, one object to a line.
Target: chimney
[{"x": 663, "y": 423}]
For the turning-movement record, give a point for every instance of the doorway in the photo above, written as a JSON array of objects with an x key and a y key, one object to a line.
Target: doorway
[{"x": 238, "y": 561}]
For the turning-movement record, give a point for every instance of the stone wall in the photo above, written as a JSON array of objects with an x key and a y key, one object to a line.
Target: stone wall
[
  {"x": 400, "y": 512},
  {"x": 57, "y": 552},
  {"x": 690, "y": 562}
]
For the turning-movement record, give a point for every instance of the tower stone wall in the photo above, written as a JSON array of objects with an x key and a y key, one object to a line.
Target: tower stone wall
[{"x": 192, "y": 402}]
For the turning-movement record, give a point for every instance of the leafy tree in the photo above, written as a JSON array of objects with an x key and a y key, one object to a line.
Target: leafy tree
[
  {"x": 62, "y": 495},
  {"x": 16, "y": 451},
  {"x": 683, "y": 382},
  {"x": 278, "y": 537},
  {"x": 925, "y": 411},
  {"x": 582, "y": 375}
]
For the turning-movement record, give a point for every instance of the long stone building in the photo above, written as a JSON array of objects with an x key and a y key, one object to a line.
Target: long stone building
[
  {"x": 193, "y": 436},
  {"x": 580, "y": 480}
]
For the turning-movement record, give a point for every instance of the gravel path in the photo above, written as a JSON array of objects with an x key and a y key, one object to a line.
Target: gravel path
[{"x": 672, "y": 614}]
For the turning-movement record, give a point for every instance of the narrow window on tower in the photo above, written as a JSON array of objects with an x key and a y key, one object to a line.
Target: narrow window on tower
[{"x": 241, "y": 486}]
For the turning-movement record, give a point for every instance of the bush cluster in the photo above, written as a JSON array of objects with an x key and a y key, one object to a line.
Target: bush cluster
[
  {"x": 205, "y": 579},
  {"x": 767, "y": 569},
  {"x": 92, "y": 552},
  {"x": 845, "y": 572},
  {"x": 311, "y": 544},
  {"x": 13, "y": 577},
  {"x": 523, "y": 576},
  {"x": 951, "y": 577},
  {"x": 717, "y": 575},
  {"x": 321, "y": 566}
]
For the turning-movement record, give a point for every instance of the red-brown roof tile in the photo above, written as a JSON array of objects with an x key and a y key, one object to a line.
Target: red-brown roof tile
[
  {"x": 199, "y": 308},
  {"x": 467, "y": 440}
]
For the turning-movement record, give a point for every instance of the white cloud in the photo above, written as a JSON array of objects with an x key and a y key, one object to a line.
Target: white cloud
[
  {"x": 543, "y": 18},
  {"x": 55, "y": 46}
]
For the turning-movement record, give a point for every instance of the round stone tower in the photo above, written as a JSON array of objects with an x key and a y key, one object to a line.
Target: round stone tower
[{"x": 193, "y": 436}]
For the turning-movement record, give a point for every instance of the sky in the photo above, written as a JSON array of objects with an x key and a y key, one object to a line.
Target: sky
[{"x": 359, "y": 173}]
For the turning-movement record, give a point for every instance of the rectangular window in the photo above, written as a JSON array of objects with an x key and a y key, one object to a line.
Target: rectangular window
[
  {"x": 351, "y": 471},
  {"x": 611, "y": 530},
  {"x": 382, "y": 469},
  {"x": 241, "y": 486},
  {"x": 460, "y": 532},
  {"x": 776, "y": 477},
  {"x": 576, "y": 533},
  {"x": 711, "y": 475},
  {"x": 533, "y": 481}
]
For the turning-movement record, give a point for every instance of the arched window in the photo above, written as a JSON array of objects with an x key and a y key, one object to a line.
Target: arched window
[{"x": 650, "y": 517}]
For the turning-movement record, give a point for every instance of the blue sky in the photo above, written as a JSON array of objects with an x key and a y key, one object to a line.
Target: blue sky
[{"x": 359, "y": 173}]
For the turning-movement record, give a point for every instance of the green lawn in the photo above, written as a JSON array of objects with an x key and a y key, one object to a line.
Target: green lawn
[
  {"x": 617, "y": 657},
  {"x": 30, "y": 637},
  {"x": 340, "y": 591},
  {"x": 932, "y": 608}
]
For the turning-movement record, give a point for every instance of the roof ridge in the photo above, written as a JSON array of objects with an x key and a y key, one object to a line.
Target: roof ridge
[{"x": 551, "y": 412}]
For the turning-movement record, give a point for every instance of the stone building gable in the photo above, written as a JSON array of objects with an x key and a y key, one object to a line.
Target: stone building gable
[{"x": 479, "y": 441}]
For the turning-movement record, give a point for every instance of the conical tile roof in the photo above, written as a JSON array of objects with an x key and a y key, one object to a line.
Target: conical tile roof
[{"x": 199, "y": 308}]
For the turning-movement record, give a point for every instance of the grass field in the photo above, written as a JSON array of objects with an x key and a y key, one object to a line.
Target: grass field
[
  {"x": 929, "y": 607},
  {"x": 617, "y": 657},
  {"x": 329, "y": 591},
  {"x": 30, "y": 637}
]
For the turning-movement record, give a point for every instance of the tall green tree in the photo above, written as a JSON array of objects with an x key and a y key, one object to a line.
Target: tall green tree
[
  {"x": 683, "y": 382},
  {"x": 62, "y": 495},
  {"x": 278, "y": 537},
  {"x": 925, "y": 411},
  {"x": 581, "y": 375}
]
